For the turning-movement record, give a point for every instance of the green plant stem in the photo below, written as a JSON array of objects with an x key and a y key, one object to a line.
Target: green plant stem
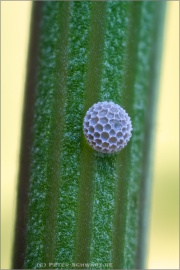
[{"x": 83, "y": 206}]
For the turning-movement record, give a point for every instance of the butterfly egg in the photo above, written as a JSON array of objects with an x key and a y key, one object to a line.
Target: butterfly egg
[{"x": 107, "y": 127}]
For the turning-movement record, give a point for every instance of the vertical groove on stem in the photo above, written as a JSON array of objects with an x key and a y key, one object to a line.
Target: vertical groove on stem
[
  {"x": 67, "y": 214},
  {"x": 55, "y": 144},
  {"x": 87, "y": 165},
  {"x": 124, "y": 161}
]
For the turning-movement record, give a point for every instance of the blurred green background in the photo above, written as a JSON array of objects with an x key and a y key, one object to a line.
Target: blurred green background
[{"x": 164, "y": 219}]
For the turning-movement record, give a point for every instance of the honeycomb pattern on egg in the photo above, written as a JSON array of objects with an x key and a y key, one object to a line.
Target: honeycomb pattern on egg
[{"x": 107, "y": 127}]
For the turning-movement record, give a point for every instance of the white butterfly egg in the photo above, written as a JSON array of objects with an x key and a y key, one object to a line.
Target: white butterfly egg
[{"x": 107, "y": 127}]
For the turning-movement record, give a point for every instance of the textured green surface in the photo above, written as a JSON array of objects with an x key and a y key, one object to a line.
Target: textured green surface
[{"x": 86, "y": 207}]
